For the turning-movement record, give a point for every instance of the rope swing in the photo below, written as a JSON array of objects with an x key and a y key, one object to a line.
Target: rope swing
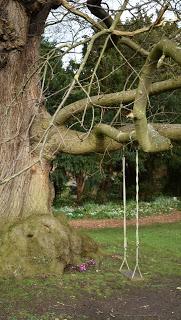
[
  {"x": 136, "y": 273},
  {"x": 125, "y": 262}
]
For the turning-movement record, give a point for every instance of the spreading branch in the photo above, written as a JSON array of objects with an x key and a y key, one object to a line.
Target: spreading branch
[
  {"x": 106, "y": 100},
  {"x": 150, "y": 137}
]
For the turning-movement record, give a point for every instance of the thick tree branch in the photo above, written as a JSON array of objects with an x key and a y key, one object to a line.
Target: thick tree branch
[
  {"x": 127, "y": 133},
  {"x": 38, "y": 11},
  {"x": 114, "y": 98},
  {"x": 62, "y": 139},
  {"x": 34, "y": 6},
  {"x": 102, "y": 138},
  {"x": 95, "y": 8},
  {"x": 149, "y": 139},
  {"x": 37, "y": 21},
  {"x": 115, "y": 134}
]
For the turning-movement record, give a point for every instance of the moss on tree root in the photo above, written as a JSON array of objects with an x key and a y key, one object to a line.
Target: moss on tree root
[{"x": 42, "y": 245}]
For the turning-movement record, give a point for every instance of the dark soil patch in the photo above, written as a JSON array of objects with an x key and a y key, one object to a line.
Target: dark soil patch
[
  {"x": 115, "y": 223},
  {"x": 134, "y": 303},
  {"x": 158, "y": 301}
]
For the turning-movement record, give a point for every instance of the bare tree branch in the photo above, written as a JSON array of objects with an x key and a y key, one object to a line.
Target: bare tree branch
[
  {"x": 121, "y": 33},
  {"x": 73, "y": 10}
]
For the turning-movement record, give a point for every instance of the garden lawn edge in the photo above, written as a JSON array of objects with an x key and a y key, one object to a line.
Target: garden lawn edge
[{"x": 116, "y": 223}]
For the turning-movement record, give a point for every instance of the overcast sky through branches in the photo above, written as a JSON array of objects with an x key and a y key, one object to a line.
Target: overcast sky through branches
[{"x": 63, "y": 28}]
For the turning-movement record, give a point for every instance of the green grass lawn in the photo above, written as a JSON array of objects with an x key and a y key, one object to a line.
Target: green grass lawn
[
  {"x": 160, "y": 247},
  {"x": 160, "y": 263}
]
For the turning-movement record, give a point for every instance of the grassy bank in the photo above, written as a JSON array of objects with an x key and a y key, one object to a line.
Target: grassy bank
[{"x": 50, "y": 298}]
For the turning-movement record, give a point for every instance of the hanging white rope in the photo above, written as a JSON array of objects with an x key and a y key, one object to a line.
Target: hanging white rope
[
  {"x": 125, "y": 262},
  {"x": 137, "y": 268}
]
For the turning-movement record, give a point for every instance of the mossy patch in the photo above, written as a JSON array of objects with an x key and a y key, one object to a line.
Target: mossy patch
[{"x": 42, "y": 245}]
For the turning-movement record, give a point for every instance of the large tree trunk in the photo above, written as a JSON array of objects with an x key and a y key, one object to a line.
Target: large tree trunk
[
  {"x": 36, "y": 242},
  {"x": 20, "y": 101}
]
